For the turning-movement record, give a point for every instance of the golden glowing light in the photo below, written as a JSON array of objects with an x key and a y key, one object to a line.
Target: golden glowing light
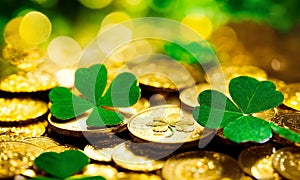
[
  {"x": 35, "y": 28},
  {"x": 95, "y": 4},
  {"x": 199, "y": 23},
  {"x": 114, "y": 18}
]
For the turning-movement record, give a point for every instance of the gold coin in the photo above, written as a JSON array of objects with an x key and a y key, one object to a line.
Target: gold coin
[
  {"x": 32, "y": 81},
  {"x": 27, "y": 59},
  {"x": 135, "y": 176},
  {"x": 60, "y": 148},
  {"x": 157, "y": 124},
  {"x": 77, "y": 127},
  {"x": 99, "y": 154},
  {"x": 291, "y": 121},
  {"x": 223, "y": 75},
  {"x": 106, "y": 171},
  {"x": 161, "y": 73},
  {"x": 18, "y": 133},
  {"x": 286, "y": 161},
  {"x": 278, "y": 83},
  {"x": 291, "y": 94},
  {"x": 42, "y": 142},
  {"x": 17, "y": 110},
  {"x": 257, "y": 162},
  {"x": 125, "y": 158},
  {"x": 189, "y": 96},
  {"x": 15, "y": 157},
  {"x": 201, "y": 165}
]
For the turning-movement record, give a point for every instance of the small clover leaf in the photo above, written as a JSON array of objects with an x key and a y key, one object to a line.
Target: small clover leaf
[
  {"x": 249, "y": 96},
  {"x": 91, "y": 83},
  {"x": 61, "y": 165}
]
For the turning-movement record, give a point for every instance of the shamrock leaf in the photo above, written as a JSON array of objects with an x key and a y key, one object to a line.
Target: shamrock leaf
[
  {"x": 91, "y": 83},
  {"x": 286, "y": 133},
  {"x": 253, "y": 96},
  {"x": 216, "y": 110},
  {"x": 62, "y": 165},
  {"x": 249, "y": 96}
]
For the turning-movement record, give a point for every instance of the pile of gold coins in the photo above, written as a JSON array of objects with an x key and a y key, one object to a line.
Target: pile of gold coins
[{"x": 159, "y": 138}]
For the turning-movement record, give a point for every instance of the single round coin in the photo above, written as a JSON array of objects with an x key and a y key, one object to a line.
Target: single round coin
[
  {"x": 189, "y": 95},
  {"x": 18, "y": 133},
  {"x": 77, "y": 127},
  {"x": 127, "y": 159},
  {"x": 15, "y": 157},
  {"x": 290, "y": 120},
  {"x": 291, "y": 94},
  {"x": 201, "y": 165},
  {"x": 256, "y": 161},
  {"x": 42, "y": 142},
  {"x": 157, "y": 124},
  {"x": 18, "y": 110},
  {"x": 32, "y": 81},
  {"x": 99, "y": 154},
  {"x": 286, "y": 161}
]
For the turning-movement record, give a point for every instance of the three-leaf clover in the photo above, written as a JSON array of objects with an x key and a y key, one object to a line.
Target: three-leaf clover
[
  {"x": 91, "y": 83},
  {"x": 63, "y": 165},
  {"x": 249, "y": 96},
  {"x": 162, "y": 124}
]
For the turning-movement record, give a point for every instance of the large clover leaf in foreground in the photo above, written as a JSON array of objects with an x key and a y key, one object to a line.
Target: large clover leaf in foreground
[
  {"x": 91, "y": 83},
  {"x": 249, "y": 96}
]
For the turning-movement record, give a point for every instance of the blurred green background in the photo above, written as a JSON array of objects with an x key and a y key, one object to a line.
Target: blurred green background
[{"x": 265, "y": 33}]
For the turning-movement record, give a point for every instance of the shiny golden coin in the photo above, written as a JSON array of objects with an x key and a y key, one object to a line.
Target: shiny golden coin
[
  {"x": 291, "y": 94},
  {"x": 15, "y": 157},
  {"x": 286, "y": 161},
  {"x": 189, "y": 95},
  {"x": 257, "y": 162},
  {"x": 161, "y": 73},
  {"x": 77, "y": 127},
  {"x": 267, "y": 115},
  {"x": 27, "y": 59},
  {"x": 99, "y": 154},
  {"x": 18, "y": 133},
  {"x": 135, "y": 176},
  {"x": 127, "y": 159},
  {"x": 291, "y": 121},
  {"x": 35, "y": 27},
  {"x": 156, "y": 125},
  {"x": 42, "y": 142},
  {"x": 32, "y": 81},
  {"x": 21, "y": 109},
  {"x": 60, "y": 148},
  {"x": 201, "y": 165},
  {"x": 106, "y": 171},
  {"x": 223, "y": 75}
]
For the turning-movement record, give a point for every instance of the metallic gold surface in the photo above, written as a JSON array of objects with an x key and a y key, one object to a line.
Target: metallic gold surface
[
  {"x": 14, "y": 110},
  {"x": 106, "y": 171},
  {"x": 125, "y": 158},
  {"x": 291, "y": 94},
  {"x": 257, "y": 162},
  {"x": 136, "y": 176},
  {"x": 224, "y": 74},
  {"x": 162, "y": 73},
  {"x": 15, "y": 157},
  {"x": 286, "y": 161},
  {"x": 99, "y": 154},
  {"x": 291, "y": 121},
  {"x": 77, "y": 127},
  {"x": 201, "y": 165},
  {"x": 18, "y": 133},
  {"x": 147, "y": 126},
  {"x": 42, "y": 142},
  {"x": 60, "y": 148},
  {"x": 31, "y": 81},
  {"x": 189, "y": 95}
]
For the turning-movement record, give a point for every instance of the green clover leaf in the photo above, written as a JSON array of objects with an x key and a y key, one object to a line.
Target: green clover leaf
[
  {"x": 249, "y": 96},
  {"x": 58, "y": 164},
  {"x": 91, "y": 83},
  {"x": 286, "y": 133}
]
